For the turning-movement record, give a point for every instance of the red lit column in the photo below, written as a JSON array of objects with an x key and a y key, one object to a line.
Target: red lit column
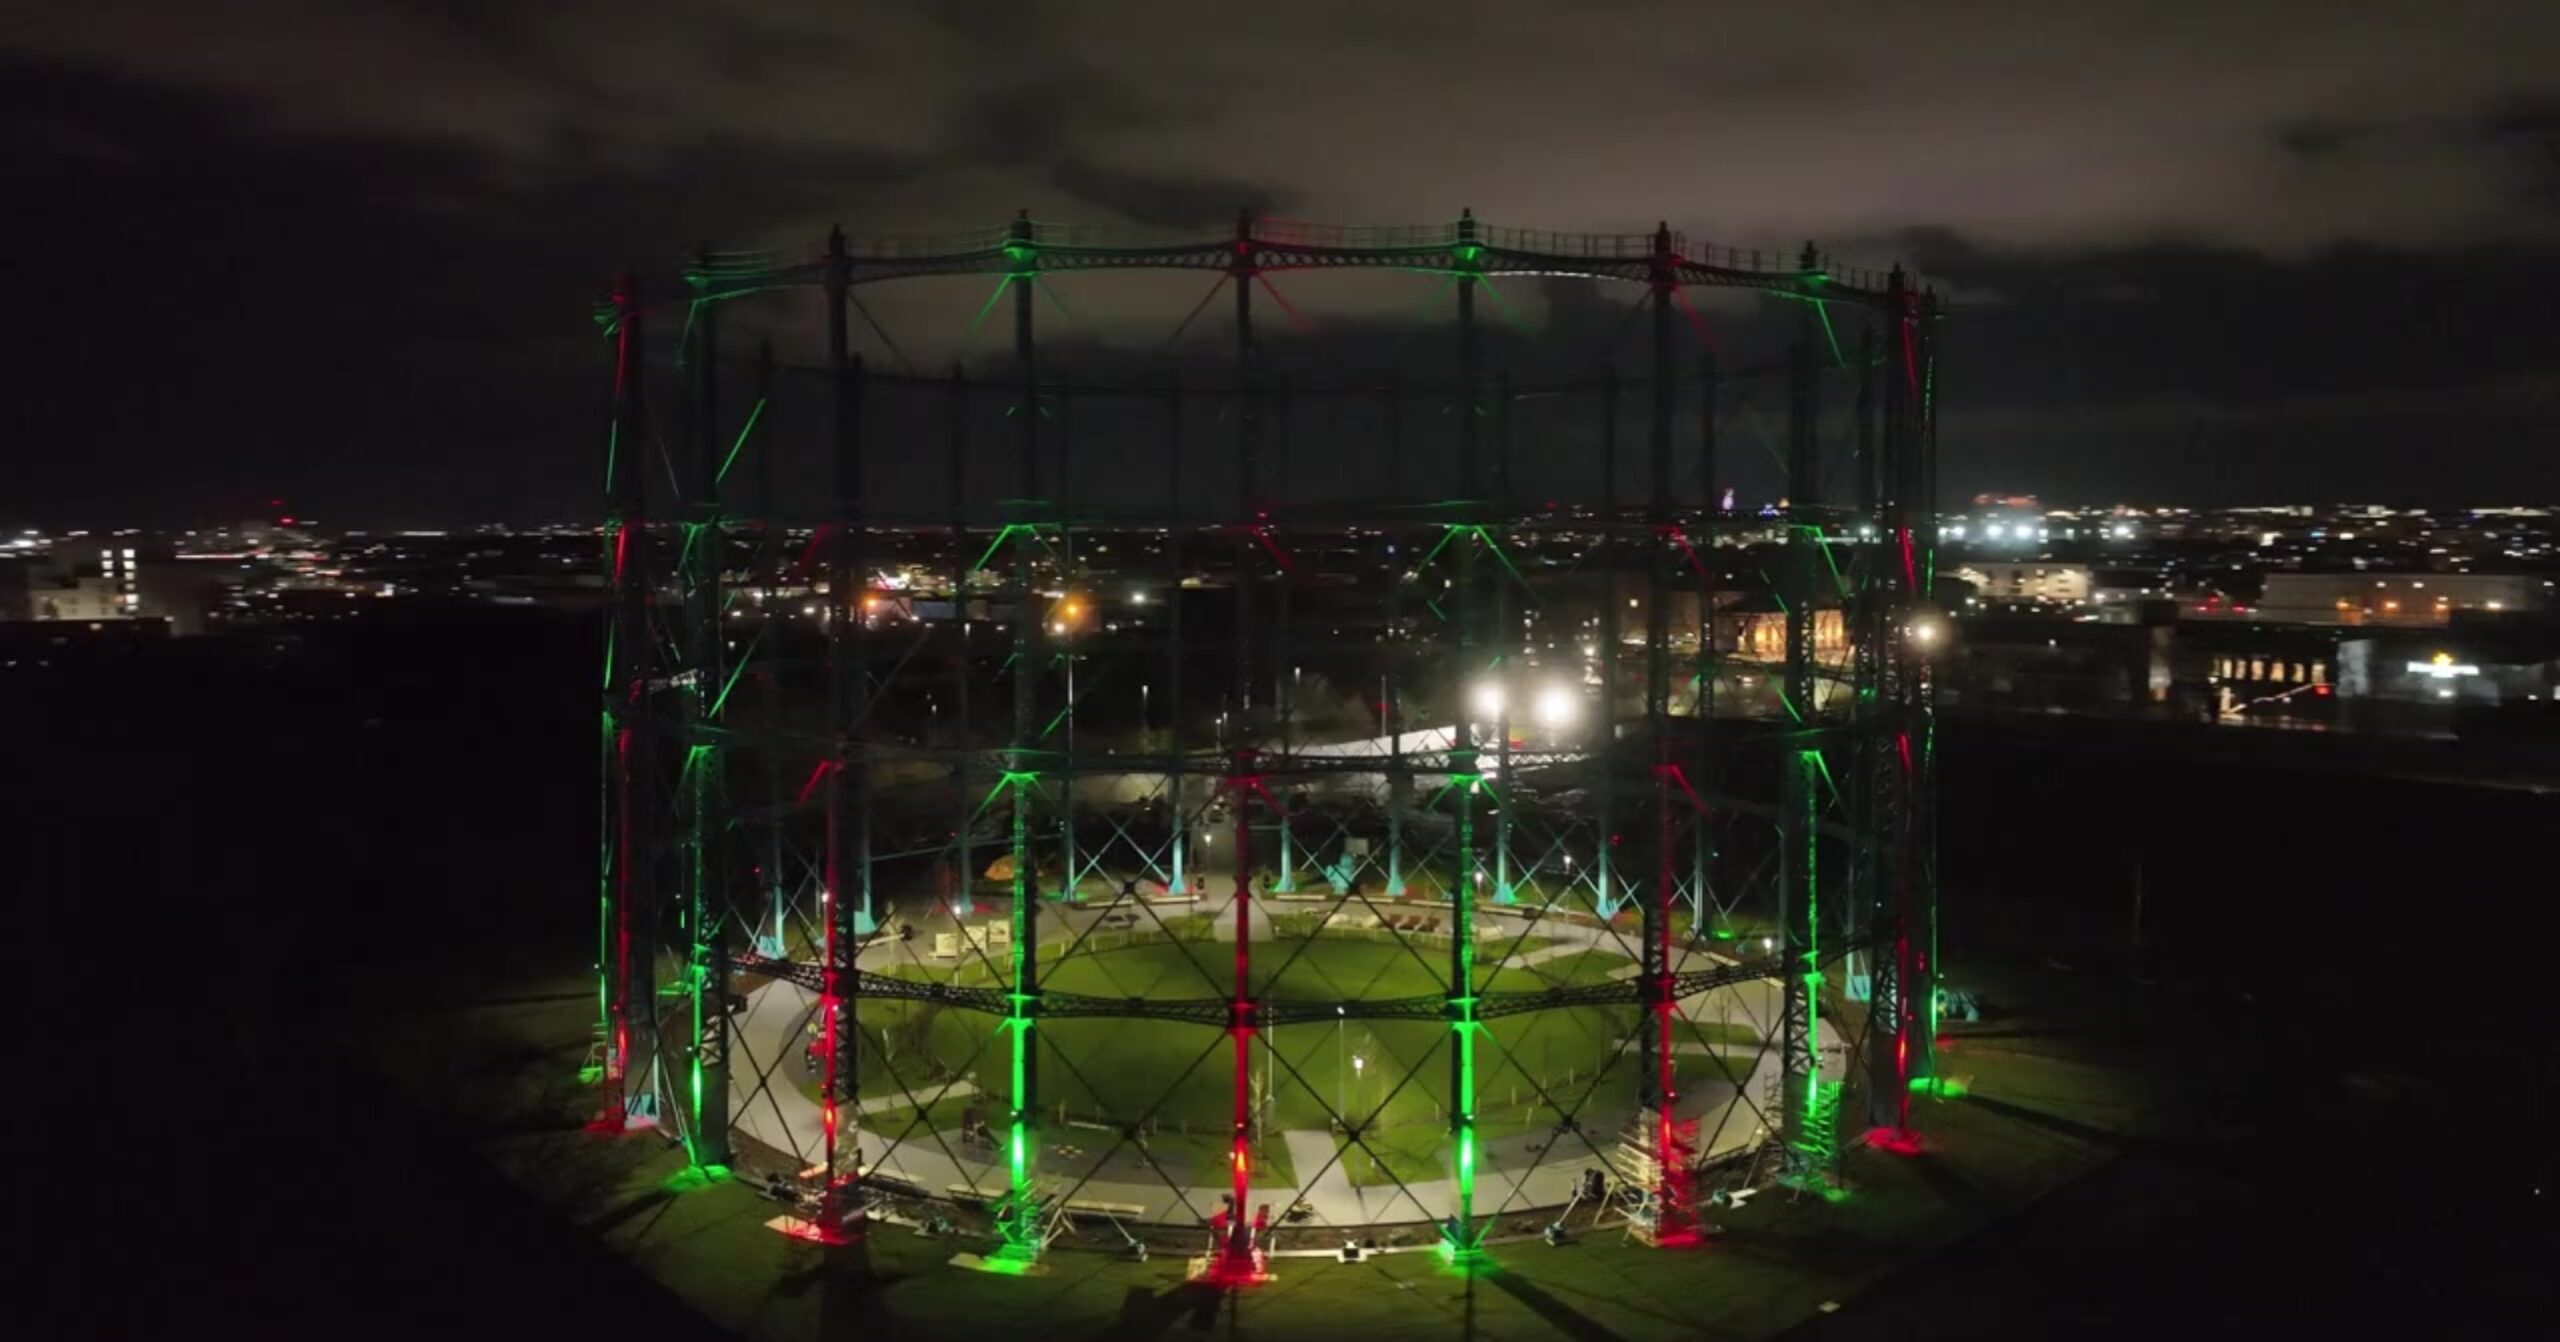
[
  {"x": 628, "y": 657},
  {"x": 1235, "y": 1256}
]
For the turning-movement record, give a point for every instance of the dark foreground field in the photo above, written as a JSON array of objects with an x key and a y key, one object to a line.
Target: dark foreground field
[{"x": 305, "y": 1003}]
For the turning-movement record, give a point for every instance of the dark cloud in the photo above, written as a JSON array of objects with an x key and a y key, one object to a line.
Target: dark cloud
[
  {"x": 346, "y": 248},
  {"x": 2318, "y": 138},
  {"x": 1156, "y": 199}
]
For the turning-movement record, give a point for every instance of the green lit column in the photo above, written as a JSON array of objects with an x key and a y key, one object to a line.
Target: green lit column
[
  {"x": 1285, "y": 667},
  {"x": 1799, "y": 975},
  {"x": 773, "y": 921},
  {"x": 1070, "y": 619},
  {"x": 1702, "y": 702},
  {"x": 1461, "y": 1241},
  {"x": 707, "y": 961},
  {"x": 1604, "y": 559},
  {"x": 1459, "y": 1237},
  {"x": 1506, "y": 640},
  {"x": 1921, "y": 841},
  {"x": 1884, "y": 662},
  {"x": 1180, "y": 839},
  {"x": 1711, "y": 507},
  {"x": 1019, "y": 1215},
  {"x": 1390, "y": 682},
  {"x": 965, "y": 560}
]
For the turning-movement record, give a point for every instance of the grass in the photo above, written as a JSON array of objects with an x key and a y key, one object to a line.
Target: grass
[
  {"x": 1177, "y": 1078},
  {"x": 1720, "y": 1033},
  {"x": 498, "y": 1079}
]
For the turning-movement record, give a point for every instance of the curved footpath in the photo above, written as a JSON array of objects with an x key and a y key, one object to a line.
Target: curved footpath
[{"x": 1509, "y": 1177}]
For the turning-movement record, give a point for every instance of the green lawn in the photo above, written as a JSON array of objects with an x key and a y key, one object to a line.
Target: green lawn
[{"x": 1176, "y": 1080}]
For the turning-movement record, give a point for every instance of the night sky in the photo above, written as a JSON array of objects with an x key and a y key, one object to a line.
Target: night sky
[{"x": 345, "y": 251}]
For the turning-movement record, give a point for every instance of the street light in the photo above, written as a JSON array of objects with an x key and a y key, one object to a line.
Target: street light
[
  {"x": 1341, "y": 1019},
  {"x": 1488, "y": 699},
  {"x": 1557, "y": 707}
]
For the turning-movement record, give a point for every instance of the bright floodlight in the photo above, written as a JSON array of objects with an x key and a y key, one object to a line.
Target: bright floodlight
[
  {"x": 1558, "y": 706},
  {"x": 1924, "y": 633},
  {"x": 1488, "y": 700}
]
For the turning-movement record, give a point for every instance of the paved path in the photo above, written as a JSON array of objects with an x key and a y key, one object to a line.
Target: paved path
[
  {"x": 881, "y": 1104},
  {"x": 1510, "y": 1175}
]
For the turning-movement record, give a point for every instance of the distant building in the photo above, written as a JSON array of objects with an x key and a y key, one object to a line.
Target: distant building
[
  {"x": 2043, "y": 581},
  {"x": 2038, "y": 663},
  {"x": 90, "y": 580},
  {"x": 2403, "y": 599},
  {"x": 82, "y": 579},
  {"x": 2466, "y": 670}
]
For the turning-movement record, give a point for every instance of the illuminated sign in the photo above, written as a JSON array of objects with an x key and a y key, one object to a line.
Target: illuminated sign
[{"x": 2443, "y": 667}]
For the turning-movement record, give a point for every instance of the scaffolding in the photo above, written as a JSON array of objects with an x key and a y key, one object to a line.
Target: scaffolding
[{"x": 1736, "y": 800}]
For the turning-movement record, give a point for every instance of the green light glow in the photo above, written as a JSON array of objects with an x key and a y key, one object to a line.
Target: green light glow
[
  {"x": 1823, "y": 310},
  {"x": 1020, "y": 1228},
  {"x": 743, "y": 430},
  {"x": 612, "y": 453},
  {"x": 989, "y": 305},
  {"x": 693, "y": 1177},
  {"x": 1818, "y": 1119},
  {"x": 684, "y": 338},
  {"x": 1496, "y": 547},
  {"x": 1509, "y": 313},
  {"x": 1009, "y": 1262},
  {"x": 740, "y": 669},
  {"x": 1052, "y": 295},
  {"x": 998, "y": 542},
  {"x": 1823, "y": 543},
  {"x": 1825, "y": 769}
]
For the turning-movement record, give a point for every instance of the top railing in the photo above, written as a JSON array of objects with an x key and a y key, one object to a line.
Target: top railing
[
  {"x": 1591, "y": 246},
  {"x": 1356, "y": 237},
  {"x": 1610, "y": 254}
]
